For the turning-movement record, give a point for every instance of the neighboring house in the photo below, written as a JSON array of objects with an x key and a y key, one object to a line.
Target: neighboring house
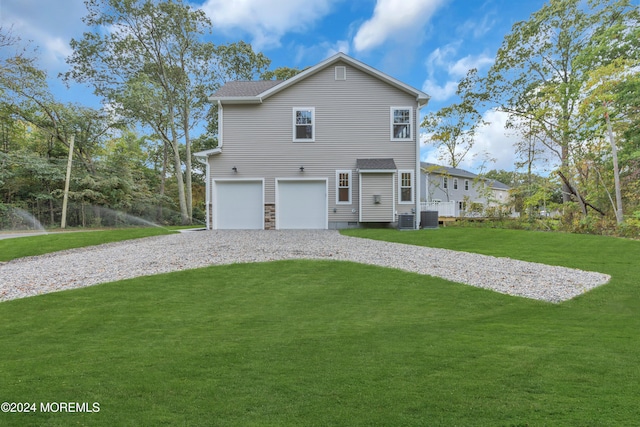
[
  {"x": 335, "y": 146},
  {"x": 457, "y": 192}
]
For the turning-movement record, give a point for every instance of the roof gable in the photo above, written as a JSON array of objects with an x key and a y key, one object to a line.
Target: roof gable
[{"x": 244, "y": 92}]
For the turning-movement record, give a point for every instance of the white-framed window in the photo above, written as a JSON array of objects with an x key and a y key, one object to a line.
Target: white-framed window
[
  {"x": 343, "y": 187},
  {"x": 304, "y": 124},
  {"x": 405, "y": 186},
  {"x": 401, "y": 123},
  {"x": 455, "y": 183},
  {"x": 466, "y": 185},
  {"x": 445, "y": 182}
]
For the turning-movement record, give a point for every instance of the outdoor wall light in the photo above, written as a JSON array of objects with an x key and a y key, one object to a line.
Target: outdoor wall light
[
  {"x": 234, "y": 169},
  {"x": 301, "y": 168}
]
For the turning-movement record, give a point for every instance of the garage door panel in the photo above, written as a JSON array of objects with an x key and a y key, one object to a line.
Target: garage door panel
[
  {"x": 239, "y": 205},
  {"x": 302, "y": 205}
]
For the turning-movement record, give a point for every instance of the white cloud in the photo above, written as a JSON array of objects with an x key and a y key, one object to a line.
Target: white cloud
[
  {"x": 442, "y": 62},
  {"x": 478, "y": 28},
  {"x": 493, "y": 146},
  {"x": 266, "y": 21},
  {"x": 437, "y": 92},
  {"x": 462, "y": 66},
  {"x": 47, "y": 25},
  {"x": 339, "y": 46},
  {"x": 391, "y": 20},
  {"x": 492, "y": 141}
]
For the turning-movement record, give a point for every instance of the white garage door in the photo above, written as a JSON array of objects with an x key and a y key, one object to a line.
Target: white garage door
[
  {"x": 238, "y": 205},
  {"x": 301, "y": 204}
]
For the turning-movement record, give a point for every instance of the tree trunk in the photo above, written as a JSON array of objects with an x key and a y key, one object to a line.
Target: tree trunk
[
  {"x": 178, "y": 169},
  {"x": 616, "y": 171},
  {"x": 163, "y": 178},
  {"x": 187, "y": 160}
]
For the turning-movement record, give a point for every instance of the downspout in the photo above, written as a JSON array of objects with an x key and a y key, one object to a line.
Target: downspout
[{"x": 418, "y": 178}]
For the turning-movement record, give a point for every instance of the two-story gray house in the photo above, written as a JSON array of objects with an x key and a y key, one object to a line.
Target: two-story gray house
[
  {"x": 335, "y": 146},
  {"x": 467, "y": 192}
]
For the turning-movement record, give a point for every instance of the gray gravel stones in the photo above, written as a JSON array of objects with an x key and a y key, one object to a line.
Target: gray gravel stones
[{"x": 115, "y": 261}]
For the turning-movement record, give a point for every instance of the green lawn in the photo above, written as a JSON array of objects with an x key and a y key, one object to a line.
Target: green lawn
[
  {"x": 335, "y": 343},
  {"x": 45, "y": 243}
]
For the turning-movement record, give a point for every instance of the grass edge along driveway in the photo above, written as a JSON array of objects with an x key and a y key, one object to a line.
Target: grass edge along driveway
[{"x": 322, "y": 342}]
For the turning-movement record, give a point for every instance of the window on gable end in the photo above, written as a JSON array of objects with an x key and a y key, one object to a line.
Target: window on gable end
[
  {"x": 401, "y": 120},
  {"x": 304, "y": 124}
]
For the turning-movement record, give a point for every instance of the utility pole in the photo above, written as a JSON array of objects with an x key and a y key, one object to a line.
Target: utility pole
[{"x": 65, "y": 199}]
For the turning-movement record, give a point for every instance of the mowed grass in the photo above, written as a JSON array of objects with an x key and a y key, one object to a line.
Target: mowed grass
[
  {"x": 45, "y": 243},
  {"x": 335, "y": 343}
]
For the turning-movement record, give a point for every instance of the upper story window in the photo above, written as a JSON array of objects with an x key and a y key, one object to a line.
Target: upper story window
[
  {"x": 455, "y": 183},
  {"x": 406, "y": 186},
  {"x": 466, "y": 185},
  {"x": 304, "y": 129},
  {"x": 445, "y": 182},
  {"x": 343, "y": 187},
  {"x": 401, "y": 120}
]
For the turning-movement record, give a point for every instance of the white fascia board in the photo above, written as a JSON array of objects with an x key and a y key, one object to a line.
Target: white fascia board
[
  {"x": 377, "y": 171},
  {"x": 236, "y": 99},
  {"x": 206, "y": 153}
]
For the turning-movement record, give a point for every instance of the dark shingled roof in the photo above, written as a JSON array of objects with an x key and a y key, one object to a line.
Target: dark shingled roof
[
  {"x": 445, "y": 170},
  {"x": 375, "y": 164},
  {"x": 244, "y": 88}
]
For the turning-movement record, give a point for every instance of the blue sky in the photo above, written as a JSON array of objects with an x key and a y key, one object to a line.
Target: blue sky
[{"x": 428, "y": 44}]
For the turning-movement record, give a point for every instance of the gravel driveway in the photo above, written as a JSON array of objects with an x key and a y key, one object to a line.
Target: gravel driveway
[{"x": 115, "y": 261}]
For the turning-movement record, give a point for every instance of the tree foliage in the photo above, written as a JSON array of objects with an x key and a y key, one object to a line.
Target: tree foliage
[
  {"x": 452, "y": 128},
  {"x": 563, "y": 76},
  {"x": 149, "y": 60}
]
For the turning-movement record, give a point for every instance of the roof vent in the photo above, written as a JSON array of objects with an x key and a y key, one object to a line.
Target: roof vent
[{"x": 341, "y": 73}]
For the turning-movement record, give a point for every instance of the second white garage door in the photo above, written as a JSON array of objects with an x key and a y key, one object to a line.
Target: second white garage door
[
  {"x": 301, "y": 204},
  {"x": 238, "y": 204}
]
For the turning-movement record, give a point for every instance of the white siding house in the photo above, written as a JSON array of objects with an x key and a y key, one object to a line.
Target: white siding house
[
  {"x": 457, "y": 192},
  {"x": 335, "y": 146}
]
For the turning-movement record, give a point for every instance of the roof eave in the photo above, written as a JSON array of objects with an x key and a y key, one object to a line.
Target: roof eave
[
  {"x": 207, "y": 153},
  {"x": 376, "y": 170},
  {"x": 236, "y": 99}
]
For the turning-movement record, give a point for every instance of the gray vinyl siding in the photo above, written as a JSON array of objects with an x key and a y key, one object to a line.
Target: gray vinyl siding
[
  {"x": 352, "y": 120},
  {"x": 433, "y": 187},
  {"x": 381, "y": 184}
]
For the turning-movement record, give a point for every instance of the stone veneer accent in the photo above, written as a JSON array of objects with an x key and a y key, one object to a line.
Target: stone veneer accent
[{"x": 269, "y": 216}]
